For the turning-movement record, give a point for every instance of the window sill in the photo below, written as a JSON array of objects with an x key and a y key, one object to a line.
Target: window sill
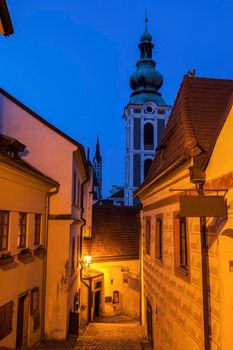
[
  {"x": 40, "y": 251},
  {"x": 158, "y": 260},
  {"x": 9, "y": 259},
  {"x": 25, "y": 255},
  {"x": 182, "y": 271}
]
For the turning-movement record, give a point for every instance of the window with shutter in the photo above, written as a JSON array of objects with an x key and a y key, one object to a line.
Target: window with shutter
[{"x": 6, "y": 312}]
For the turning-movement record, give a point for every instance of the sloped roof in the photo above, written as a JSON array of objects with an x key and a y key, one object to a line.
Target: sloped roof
[
  {"x": 115, "y": 234},
  {"x": 21, "y": 165},
  {"x": 49, "y": 125},
  {"x": 195, "y": 120},
  {"x": 118, "y": 194},
  {"x": 5, "y": 18}
]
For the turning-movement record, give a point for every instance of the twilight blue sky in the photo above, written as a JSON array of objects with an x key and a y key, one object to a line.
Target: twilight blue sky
[{"x": 70, "y": 60}]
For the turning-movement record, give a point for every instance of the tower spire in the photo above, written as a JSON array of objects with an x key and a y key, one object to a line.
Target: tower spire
[
  {"x": 146, "y": 22},
  {"x": 97, "y": 150},
  {"x": 97, "y": 169}
]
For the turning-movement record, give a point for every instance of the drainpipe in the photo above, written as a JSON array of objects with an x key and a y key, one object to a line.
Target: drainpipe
[
  {"x": 45, "y": 267},
  {"x": 205, "y": 280},
  {"x": 81, "y": 243},
  {"x": 141, "y": 266}
]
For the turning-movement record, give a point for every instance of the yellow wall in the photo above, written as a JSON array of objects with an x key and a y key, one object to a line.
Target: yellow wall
[
  {"x": 47, "y": 150},
  {"x": 55, "y": 156},
  {"x": 113, "y": 280},
  {"x": 219, "y": 174},
  {"x": 20, "y": 192},
  {"x": 221, "y": 162},
  {"x": 176, "y": 302}
]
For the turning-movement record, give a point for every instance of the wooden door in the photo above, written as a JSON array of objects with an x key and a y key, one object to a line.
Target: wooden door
[
  {"x": 149, "y": 322},
  {"x": 97, "y": 303},
  {"x": 74, "y": 323},
  {"x": 22, "y": 322}
]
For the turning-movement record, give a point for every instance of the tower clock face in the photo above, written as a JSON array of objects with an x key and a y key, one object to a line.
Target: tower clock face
[{"x": 149, "y": 109}]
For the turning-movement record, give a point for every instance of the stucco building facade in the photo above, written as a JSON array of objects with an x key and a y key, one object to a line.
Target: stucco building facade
[
  {"x": 62, "y": 158},
  {"x": 186, "y": 262},
  {"x": 111, "y": 283},
  {"x": 25, "y": 193}
]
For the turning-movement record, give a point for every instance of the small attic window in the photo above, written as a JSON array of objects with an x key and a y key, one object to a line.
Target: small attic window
[
  {"x": 161, "y": 111},
  {"x": 149, "y": 109}
]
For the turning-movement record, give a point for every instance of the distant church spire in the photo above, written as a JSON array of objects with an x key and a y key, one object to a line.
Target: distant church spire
[
  {"x": 97, "y": 170},
  {"x": 97, "y": 150}
]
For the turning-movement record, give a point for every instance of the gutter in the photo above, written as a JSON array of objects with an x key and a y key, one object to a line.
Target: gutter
[
  {"x": 50, "y": 194},
  {"x": 81, "y": 246},
  {"x": 141, "y": 267}
]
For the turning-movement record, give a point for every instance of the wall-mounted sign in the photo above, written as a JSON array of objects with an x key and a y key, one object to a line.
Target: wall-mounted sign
[{"x": 202, "y": 206}]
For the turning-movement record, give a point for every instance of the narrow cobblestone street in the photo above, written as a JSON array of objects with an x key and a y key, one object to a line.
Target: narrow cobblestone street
[{"x": 101, "y": 336}]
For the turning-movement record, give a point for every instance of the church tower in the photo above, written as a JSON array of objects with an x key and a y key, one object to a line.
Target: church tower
[
  {"x": 146, "y": 115},
  {"x": 97, "y": 173}
]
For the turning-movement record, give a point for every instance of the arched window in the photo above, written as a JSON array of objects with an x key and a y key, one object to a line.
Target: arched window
[
  {"x": 148, "y": 136},
  {"x": 147, "y": 165}
]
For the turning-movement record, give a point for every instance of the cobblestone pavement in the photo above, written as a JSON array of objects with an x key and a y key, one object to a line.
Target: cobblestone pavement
[{"x": 101, "y": 336}]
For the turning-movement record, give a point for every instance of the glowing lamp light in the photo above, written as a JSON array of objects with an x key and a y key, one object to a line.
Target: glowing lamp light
[{"x": 87, "y": 260}]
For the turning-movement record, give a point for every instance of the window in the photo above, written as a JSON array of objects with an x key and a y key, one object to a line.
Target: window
[
  {"x": 37, "y": 229},
  {"x": 181, "y": 244},
  {"x": 78, "y": 193},
  {"x": 4, "y": 228},
  {"x": 147, "y": 165},
  {"x": 161, "y": 111},
  {"x": 159, "y": 237},
  {"x": 149, "y": 109},
  {"x": 72, "y": 254},
  {"x": 148, "y": 136},
  {"x": 6, "y": 312},
  {"x": 98, "y": 285},
  {"x": 148, "y": 229},
  {"x": 78, "y": 249},
  {"x": 22, "y": 230},
  {"x": 35, "y": 308},
  {"x": 74, "y": 187},
  {"x": 115, "y": 299}
]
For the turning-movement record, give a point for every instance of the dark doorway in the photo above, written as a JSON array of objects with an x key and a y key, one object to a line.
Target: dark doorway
[
  {"x": 74, "y": 323},
  {"x": 22, "y": 322},
  {"x": 97, "y": 303},
  {"x": 149, "y": 322}
]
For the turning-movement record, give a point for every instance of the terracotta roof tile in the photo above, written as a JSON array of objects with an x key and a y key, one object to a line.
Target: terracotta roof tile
[
  {"x": 115, "y": 234},
  {"x": 194, "y": 122}
]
